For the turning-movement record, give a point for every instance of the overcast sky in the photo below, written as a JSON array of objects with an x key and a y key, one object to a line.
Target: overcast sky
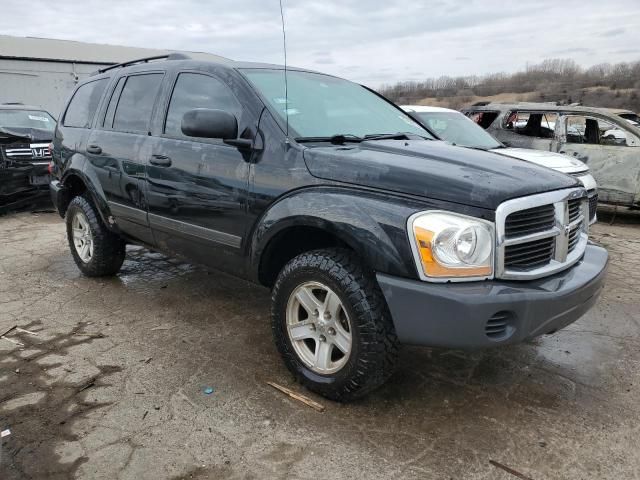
[{"x": 369, "y": 41}]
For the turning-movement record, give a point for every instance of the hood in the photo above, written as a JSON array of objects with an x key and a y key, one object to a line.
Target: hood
[
  {"x": 434, "y": 170},
  {"x": 13, "y": 134},
  {"x": 557, "y": 161}
]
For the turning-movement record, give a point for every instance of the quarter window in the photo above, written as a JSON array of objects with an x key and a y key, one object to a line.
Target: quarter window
[
  {"x": 84, "y": 104},
  {"x": 194, "y": 90},
  {"x": 136, "y": 102}
]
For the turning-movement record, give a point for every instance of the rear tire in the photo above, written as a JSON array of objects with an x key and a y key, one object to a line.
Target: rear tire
[
  {"x": 97, "y": 251},
  {"x": 347, "y": 346}
]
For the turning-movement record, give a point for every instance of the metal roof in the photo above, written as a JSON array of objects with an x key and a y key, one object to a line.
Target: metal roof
[{"x": 49, "y": 49}]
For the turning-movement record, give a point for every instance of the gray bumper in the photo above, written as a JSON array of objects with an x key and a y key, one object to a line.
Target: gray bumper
[
  {"x": 55, "y": 189},
  {"x": 484, "y": 314}
]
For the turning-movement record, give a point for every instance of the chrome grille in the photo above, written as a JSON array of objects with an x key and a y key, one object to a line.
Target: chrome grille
[
  {"x": 531, "y": 220},
  {"x": 541, "y": 234},
  {"x": 593, "y": 205}
]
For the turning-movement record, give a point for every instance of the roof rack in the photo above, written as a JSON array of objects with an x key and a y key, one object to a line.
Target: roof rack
[
  {"x": 13, "y": 103},
  {"x": 480, "y": 104},
  {"x": 169, "y": 56}
]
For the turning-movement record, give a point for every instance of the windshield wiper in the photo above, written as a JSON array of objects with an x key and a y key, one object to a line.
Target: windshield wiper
[
  {"x": 338, "y": 139},
  {"x": 395, "y": 136}
]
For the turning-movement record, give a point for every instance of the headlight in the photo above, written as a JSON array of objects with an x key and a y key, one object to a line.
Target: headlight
[{"x": 449, "y": 246}]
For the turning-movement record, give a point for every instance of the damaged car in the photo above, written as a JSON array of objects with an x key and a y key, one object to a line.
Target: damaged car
[
  {"x": 25, "y": 153},
  {"x": 453, "y": 127},
  {"x": 607, "y": 143}
]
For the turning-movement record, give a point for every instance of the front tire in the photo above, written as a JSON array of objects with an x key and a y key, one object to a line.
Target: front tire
[
  {"x": 97, "y": 251},
  {"x": 332, "y": 326}
]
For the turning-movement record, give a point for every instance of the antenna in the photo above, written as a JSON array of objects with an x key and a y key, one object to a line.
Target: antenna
[{"x": 286, "y": 86}]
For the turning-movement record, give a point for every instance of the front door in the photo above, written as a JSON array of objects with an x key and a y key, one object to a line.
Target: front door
[
  {"x": 197, "y": 188},
  {"x": 611, "y": 153}
]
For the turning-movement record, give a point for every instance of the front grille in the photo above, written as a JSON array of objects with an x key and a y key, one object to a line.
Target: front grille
[
  {"x": 593, "y": 205},
  {"x": 530, "y": 254},
  {"x": 574, "y": 236},
  {"x": 541, "y": 234},
  {"x": 22, "y": 152},
  {"x": 574, "y": 209},
  {"x": 531, "y": 220}
]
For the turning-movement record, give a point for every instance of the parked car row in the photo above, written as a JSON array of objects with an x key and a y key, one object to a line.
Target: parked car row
[
  {"x": 607, "y": 141},
  {"x": 369, "y": 230}
]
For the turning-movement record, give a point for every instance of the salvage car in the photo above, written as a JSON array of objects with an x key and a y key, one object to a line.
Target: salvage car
[
  {"x": 26, "y": 133},
  {"x": 455, "y": 128},
  {"x": 367, "y": 231},
  {"x": 607, "y": 143}
]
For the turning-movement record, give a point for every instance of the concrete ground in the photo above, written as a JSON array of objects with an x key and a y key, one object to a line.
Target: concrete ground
[{"x": 112, "y": 384}]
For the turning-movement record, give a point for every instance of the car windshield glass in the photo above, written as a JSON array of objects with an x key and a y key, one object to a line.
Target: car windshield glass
[
  {"x": 457, "y": 129},
  {"x": 36, "y": 119},
  {"x": 323, "y": 106}
]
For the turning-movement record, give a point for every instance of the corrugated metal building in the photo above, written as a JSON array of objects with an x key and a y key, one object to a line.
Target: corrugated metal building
[{"x": 43, "y": 71}]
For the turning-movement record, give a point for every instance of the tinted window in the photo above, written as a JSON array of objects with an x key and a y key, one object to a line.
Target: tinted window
[
  {"x": 111, "y": 109},
  {"x": 84, "y": 104},
  {"x": 135, "y": 105},
  {"x": 193, "y": 90}
]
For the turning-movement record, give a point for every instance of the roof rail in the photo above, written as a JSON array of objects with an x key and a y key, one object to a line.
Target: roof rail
[
  {"x": 168, "y": 56},
  {"x": 480, "y": 104},
  {"x": 13, "y": 103}
]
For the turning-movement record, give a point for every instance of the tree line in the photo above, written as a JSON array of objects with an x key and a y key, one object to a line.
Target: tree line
[{"x": 553, "y": 80}]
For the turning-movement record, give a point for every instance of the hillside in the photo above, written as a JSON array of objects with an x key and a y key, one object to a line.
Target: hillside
[{"x": 614, "y": 86}]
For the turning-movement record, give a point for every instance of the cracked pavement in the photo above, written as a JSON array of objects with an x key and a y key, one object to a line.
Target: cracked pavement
[{"x": 111, "y": 387}]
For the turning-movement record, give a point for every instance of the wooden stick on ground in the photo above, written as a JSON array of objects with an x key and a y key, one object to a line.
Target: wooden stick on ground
[
  {"x": 8, "y": 331},
  {"x": 301, "y": 398},
  {"x": 513, "y": 472}
]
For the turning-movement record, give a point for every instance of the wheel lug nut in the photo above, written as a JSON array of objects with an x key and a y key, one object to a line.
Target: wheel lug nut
[
  {"x": 327, "y": 315},
  {"x": 323, "y": 338},
  {"x": 312, "y": 327},
  {"x": 331, "y": 331},
  {"x": 316, "y": 313}
]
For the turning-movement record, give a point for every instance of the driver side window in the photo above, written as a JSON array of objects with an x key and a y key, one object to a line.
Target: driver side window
[{"x": 195, "y": 90}]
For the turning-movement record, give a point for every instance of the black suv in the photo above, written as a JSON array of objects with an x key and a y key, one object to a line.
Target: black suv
[{"x": 368, "y": 232}]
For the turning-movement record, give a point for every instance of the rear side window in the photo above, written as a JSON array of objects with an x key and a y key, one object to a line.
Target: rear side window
[
  {"x": 113, "y": 102},
  {"x": 136, "y": 102},
  {"x": 193, "y": 90},
  {"x": 84, "y": 104},
  {"x": 532, "y": 124},
  {"x": 484, "y": 119}
]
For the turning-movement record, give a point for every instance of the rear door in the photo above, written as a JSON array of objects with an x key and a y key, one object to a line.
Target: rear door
[
  {"x": 611, "y": 152},
  {"x": 119, "y": 146},
  {"x": 534, "y": 130},
  {"x": 197, "y": 187}
]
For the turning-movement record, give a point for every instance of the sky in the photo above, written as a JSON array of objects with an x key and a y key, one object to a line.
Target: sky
[{"x": 373, "y": 42}]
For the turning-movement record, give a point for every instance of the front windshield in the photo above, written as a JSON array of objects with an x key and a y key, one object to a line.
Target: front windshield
[
  {"x": 323, "y": 106},
  {"x": 457, "y": 129},
  {"x": 31, "y": 119}
]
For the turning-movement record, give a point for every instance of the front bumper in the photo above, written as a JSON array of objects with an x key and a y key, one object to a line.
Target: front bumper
[{"x": 495, "y": 312}]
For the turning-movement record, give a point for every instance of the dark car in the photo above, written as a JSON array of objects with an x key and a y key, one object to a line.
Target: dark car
[
  {"x": 26, "y": 133},
  {"x": 369, "y": 233}
]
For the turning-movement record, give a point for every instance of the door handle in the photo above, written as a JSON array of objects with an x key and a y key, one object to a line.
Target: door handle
[
  {"x": 160, "y": 160},
  {"x": 95, "y": 149}
]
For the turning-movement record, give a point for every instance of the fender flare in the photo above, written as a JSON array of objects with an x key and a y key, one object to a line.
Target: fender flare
[
  {"x": 79, "y": 167},
  {"x": 371, "y": 224}
]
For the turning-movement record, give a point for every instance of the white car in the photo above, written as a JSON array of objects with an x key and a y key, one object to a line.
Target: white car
[{"x": 455, "y": 128}]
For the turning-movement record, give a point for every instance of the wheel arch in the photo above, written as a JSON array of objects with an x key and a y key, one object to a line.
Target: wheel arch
[{"x": 329, "y": 217}]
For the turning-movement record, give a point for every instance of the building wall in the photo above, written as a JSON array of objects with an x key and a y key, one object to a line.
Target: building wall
[{"x": 43, "y": 83}]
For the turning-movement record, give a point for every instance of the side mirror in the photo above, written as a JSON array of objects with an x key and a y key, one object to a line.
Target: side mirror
[{"x": 208, "y": 123}]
